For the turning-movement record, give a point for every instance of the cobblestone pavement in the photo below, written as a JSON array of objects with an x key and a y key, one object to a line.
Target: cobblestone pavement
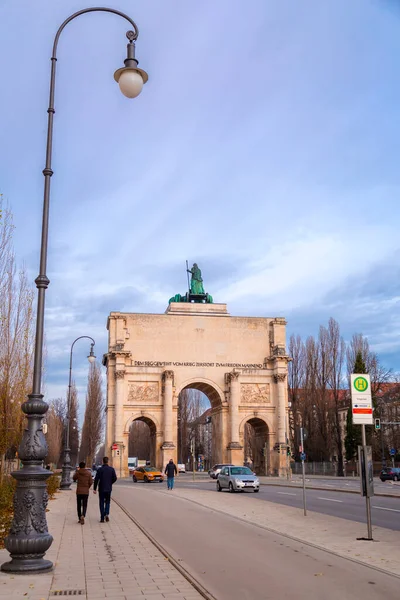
[{"x": 98, "y": 560}]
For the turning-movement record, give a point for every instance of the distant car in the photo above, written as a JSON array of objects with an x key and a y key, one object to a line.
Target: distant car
[
  {"x": 147, "y": 474},
  {"x": 390, "y": 473},
  {"x": 237, "y": 479},
  {"x": 215, "y": 470},
  {"x": 181, "y": 468}
]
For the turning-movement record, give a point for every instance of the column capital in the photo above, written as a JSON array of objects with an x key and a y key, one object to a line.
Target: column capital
[
  {"x": 168, "y": 375},
  {"x": 279, "y": 377},
  {"x": 232, "y": 376},
  {"x": 120, "y": 374}
]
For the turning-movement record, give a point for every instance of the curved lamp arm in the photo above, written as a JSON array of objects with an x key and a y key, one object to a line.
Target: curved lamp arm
[{"x": 42, "y": 281}]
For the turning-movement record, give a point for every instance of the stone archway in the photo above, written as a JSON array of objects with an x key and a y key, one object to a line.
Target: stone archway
[
  {"x": 240, "y": 363},
  {"x": 256, "y": 445},
  {"x": 207, "y": 430},
  {"x": 144, "y": 448}
]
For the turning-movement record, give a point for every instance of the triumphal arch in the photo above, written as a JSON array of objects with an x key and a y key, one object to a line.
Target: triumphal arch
[{"x": 240, "y": 363}]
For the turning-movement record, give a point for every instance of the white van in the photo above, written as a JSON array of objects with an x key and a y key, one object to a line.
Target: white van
[
  {"x": 132, "y": 463},
  {"x": 181, "y": 468}
]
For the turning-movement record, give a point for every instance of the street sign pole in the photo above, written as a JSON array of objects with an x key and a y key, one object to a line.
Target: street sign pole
[
  {"x": 365, "y": 474},
  {"x": 362, "y": 411},
  {"x": 303, "y": 470}
]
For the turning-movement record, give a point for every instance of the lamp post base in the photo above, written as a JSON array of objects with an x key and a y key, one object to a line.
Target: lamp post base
[
  {"x": 22, "y": 565},
  {"x": 65, "y": 483}
]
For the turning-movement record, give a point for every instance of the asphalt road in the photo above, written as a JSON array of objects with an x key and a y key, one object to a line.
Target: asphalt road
[
  {"x": 233, "y": 559},
  {"x": 385, "y": 511}
]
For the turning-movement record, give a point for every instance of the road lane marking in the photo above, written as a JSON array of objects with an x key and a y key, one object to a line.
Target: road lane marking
[
  {"x": 383, "y": 508},
  {"x": 286, "y": 494},
  {"x": 330, "y": 499}
]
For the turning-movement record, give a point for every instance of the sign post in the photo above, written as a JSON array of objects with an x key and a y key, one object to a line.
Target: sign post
[
  {"x": 303, "y": 458},
  {"x": 361, "y": 402},
  {"x": 193, "y": 451}
]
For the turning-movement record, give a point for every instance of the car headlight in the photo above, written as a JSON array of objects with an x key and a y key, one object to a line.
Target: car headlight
[
  {"x": 257, "y": 482},
  {"x": 239, "y": 483}
]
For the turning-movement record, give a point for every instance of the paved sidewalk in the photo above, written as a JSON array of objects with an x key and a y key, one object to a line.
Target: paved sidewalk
[{"x": 112, "y": 560}]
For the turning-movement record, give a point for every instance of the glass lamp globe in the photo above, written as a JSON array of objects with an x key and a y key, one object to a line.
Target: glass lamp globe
[
  {"x": 130, "y": 83},
  {"x": 91, "y": 357}
]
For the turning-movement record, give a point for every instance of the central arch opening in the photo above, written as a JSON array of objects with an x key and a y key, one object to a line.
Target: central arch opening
[
  {"x": 256, "y": 446},
  {"x": 142, "y": 440},
  {"x": 199, "y": 411}
]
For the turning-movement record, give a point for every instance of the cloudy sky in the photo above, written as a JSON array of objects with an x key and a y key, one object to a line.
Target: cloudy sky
[{"x": 265, "y": 147}]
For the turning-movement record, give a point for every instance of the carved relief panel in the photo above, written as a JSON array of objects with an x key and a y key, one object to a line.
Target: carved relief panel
[
  {"x": 255, "y": 393},
  {"x": 144, "y": 393}
]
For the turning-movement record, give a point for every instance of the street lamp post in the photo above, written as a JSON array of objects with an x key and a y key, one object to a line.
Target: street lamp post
[
  {"x": 66, "y": 468},
  {"x": 29, "y": 539}
]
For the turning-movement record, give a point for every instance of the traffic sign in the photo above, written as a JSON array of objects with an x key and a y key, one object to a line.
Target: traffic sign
[
  {"x": 114, "y": 447},
  {"x": 303, "y": 456},
  {"x": 361, "y": 399},
  {"x": 393, "y": 452}
]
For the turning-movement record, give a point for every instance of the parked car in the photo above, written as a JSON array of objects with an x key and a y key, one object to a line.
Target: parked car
[
  {"x": 215, "y": 470},
  {"x": 181, "y": 468},
  {"x": 237, "y": 479},
  {"x": 147, "y": 474},
  {"x": 391, "y": 473}
]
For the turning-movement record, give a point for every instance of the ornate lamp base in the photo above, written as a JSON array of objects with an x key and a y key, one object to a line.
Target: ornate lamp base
[{"x": 29, "y": 539}]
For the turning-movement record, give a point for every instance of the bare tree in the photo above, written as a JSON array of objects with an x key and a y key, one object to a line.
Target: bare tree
[
  {"x": 55, "y": 419},
  {"x": 139, "y": 440},
  {"x": 92, "y": 429},
  {"x": 336, "y": 350},
  {"x": 296, "y": 382},
  {"x": 16, "y": 340}
]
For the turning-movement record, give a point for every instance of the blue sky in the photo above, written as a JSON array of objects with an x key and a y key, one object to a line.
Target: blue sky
[{"x": 265, "y": 147}]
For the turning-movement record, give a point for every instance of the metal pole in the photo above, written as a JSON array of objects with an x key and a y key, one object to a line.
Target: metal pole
[
  {"x": 303, "y": 472},
  {"x": 187, "y": 273},
  {"x": 367, "y": 500},
  {"x": 383, "y": 448},
  {"x": 29, "y": 539},
  {"x": 66, "y": 468},
  {"x": 193, "y": 457},
  {"x": 265, "y": 458}
]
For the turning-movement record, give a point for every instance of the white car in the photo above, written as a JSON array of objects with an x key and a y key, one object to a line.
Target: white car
[{"x": 181, "y": 468}]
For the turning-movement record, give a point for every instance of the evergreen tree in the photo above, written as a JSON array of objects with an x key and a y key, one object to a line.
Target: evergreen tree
[
  {"x": 353, "y": 432},
  {"x": 359, "y": 365}
]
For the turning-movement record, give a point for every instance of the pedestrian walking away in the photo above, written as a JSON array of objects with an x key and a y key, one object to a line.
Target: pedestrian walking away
[
  {"x": 84, "y": 480},
  {"x": 105, "y": 477},
  {"x": 171, "y": 471}
]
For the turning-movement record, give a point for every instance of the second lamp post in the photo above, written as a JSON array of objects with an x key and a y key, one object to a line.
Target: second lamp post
[{"x": 66, "y": 468}]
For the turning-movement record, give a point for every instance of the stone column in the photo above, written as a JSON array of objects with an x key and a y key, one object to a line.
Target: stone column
[
  {"x": 280, "y": 379},
  {"x": 234, "y": 447},
  {"x": 119, "y": 406},
  {"x": 168, "y": 445}
]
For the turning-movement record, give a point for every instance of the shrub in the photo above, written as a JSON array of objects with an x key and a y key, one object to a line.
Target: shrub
[
  {"x": 53, "y": 484},
  {"x": 7, "y": 488}
]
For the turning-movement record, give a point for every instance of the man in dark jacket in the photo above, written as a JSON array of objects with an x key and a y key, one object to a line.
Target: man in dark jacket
[
  {"x": 105, "y": 477},
  {"x": 84, "y": 478},
  {"x": 170, "y": 471}
]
